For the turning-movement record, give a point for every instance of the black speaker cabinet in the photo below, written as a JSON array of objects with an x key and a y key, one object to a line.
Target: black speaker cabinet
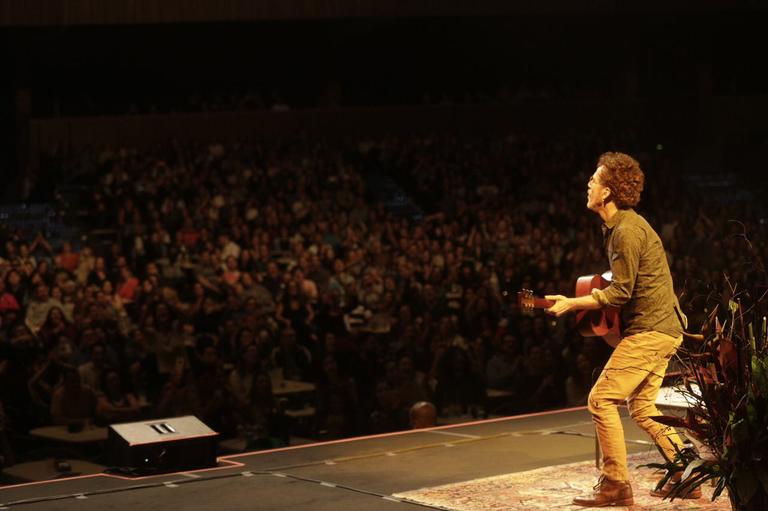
[{"x": 162, "y": 445}]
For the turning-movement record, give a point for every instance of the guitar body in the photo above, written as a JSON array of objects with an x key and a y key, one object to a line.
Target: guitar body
[{"x": 605, "y": 322}]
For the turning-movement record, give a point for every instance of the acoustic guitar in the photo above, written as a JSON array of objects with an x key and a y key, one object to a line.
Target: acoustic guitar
[{"x": 603, "y": 322}]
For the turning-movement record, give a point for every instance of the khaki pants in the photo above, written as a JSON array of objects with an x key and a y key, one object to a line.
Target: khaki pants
[{"x": 633, "y": 373}]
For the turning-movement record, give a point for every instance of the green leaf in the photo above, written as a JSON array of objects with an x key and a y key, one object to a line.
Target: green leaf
[
  {"x": 686, "y": 485},
  {"x": 740, "y": 431},
  {"x": 746, "y": 483},
  {"x": 752, "y": 418},
  {"x": 719, "y": 487},
  {"x": 760, "y": 375},
  {"x": 658, "y": 466},
  {"x": 762, "y": 475},
  {"x": 764, "y": 330},
  {"x": 691, "y": 467}
]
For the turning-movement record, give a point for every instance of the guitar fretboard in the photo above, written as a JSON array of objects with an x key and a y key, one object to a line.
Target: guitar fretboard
[{"x": 541, "y": 303}]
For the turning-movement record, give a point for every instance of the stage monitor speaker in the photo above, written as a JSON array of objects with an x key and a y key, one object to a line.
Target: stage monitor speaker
[{"x": 162, "y": 445}]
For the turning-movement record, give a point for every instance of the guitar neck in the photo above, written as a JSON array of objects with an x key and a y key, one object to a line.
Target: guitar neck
[
  {"x": 541, "y": 303},
  {"x": 527, "y": 301}
]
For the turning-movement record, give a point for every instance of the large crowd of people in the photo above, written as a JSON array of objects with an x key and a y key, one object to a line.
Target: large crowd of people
[
  {"x": 230, "y": 270},
  {"x": 330, "y": 95}
]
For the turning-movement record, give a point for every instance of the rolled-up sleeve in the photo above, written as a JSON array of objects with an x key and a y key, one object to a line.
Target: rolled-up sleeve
[
  {"x": 625, "y": 260},
  {"x": 599, "y": 296}
]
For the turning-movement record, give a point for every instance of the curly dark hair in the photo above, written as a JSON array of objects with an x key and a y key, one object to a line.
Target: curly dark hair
[{"x": 624, "y": 177}]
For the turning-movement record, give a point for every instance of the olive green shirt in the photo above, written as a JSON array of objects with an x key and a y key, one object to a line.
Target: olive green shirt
[{"x": 642, "y": 283}]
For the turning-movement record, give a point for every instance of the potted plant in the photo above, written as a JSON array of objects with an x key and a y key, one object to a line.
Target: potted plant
[{"x": 725, "y": 381}]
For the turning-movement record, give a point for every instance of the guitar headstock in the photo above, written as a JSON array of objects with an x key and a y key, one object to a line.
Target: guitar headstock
[{"x": 525, "y": 300}]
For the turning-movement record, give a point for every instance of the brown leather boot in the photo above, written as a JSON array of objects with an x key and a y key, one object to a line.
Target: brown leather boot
[
  {"x": 607, "y": 493},
  {"x": 692, "y": 493}
]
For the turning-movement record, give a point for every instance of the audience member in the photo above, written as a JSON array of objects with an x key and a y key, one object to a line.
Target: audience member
[
  {"x": 423, "y": 415},
  {"x": 73, "y": 403}
]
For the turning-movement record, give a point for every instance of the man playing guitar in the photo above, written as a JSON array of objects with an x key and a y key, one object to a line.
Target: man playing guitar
[{"x": 651, "y": 320}]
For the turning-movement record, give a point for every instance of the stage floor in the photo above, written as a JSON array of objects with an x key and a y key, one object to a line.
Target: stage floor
[{"x": 358, "y": 473}]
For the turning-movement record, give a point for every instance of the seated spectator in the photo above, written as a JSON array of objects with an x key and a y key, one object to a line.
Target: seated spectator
[
  {"x": 188, "y": 236},
  {"x": 262, "y": 417},
  {"x": 538, "y": 388},
  {"x": 370, "y": 289},
  {"x": 42, "y": 273},
  {"x": 22, "y": 340},
  {"x": 423, "y": 415},
  {"x": 166, "y": 339},
  {"x": 411, "y": 386},
  {"x": 341, "y": 349},
  {"x": 504, "y": 365},
  {"x": 85, "y": 265},
  {"x": 92, "y": 372},
  {"x": 209, "y": 316},
  {"x": 228, "y": 247},
  {"x": 293, "y": 359},
  {"x": 337, "y": 402},
  {"x": 56, "y": 325},
  {"x": 178, "y": 394},
  {"x": 306, "y": 286},
  {"x": 273, "y": 280},
  {"x": 39, "y": 306},
  {"x": 579, "y": 382},
  {"x": 99, "y": 274},
  {"x": 385, "y": 414},
  {"x": 295, "y": 312},
  {"x": 7, "y": 300},
  {"x": 67, "y": 259},
  {"x": 47, "y": 372},
  {"x": 73, "y": 403},
  {"x": 265, "y": 344},
  {"x": 241, "y": 379},
  {"x": 128, "y": 285},
  {"x": 459, "y": 387},
  {"x": 114, "y": 404},
  {"x": 26, "y": 260},
  {"x": 209, "y": 395},
  {"x": 252, "y": 289},
  {"x": 231, "y": 274},
  {"x": 16, "y": 286}
]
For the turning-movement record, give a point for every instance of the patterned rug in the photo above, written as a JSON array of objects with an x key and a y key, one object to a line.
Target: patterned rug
[{"x": 553, "y": 488}]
